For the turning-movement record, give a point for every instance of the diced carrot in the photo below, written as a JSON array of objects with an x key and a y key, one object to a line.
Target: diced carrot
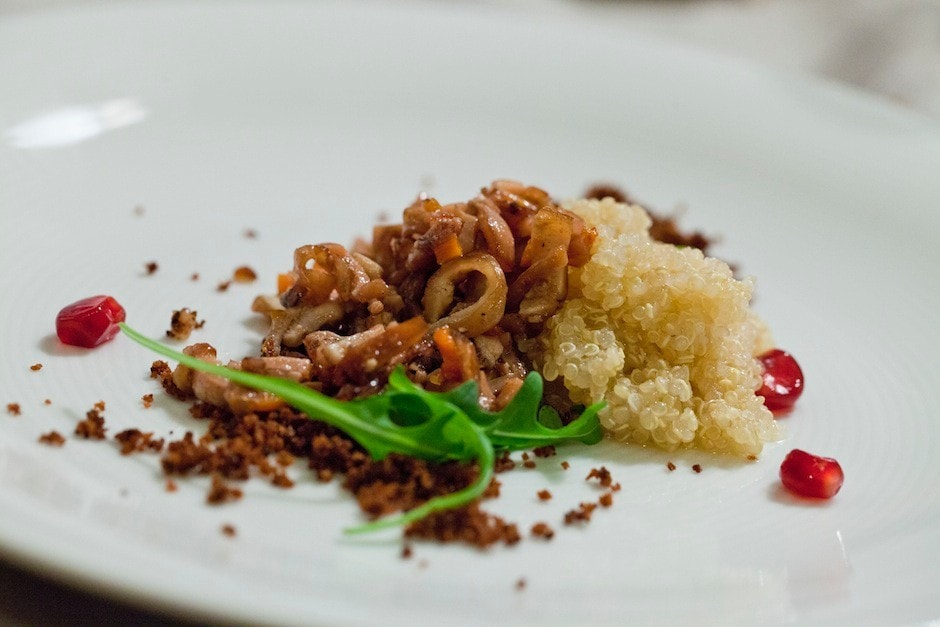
[
  {"x": 448, "y": 249},
  {"x": 285, "y": 281},
  {"x": 450, "y": 353}
]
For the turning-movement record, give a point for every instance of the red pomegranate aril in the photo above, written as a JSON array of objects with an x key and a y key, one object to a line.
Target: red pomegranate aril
[
  {"x": 809, "y": 475},
  {"x": 89, "y": 322},
  {"x": 782, "y": 380}
]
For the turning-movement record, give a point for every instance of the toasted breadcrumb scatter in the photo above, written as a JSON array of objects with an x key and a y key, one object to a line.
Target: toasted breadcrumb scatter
[
  {"x": 527, "y": 462},
  {"x": 171, "y": 486},
  {"x": 602, "y": 475},
  {"x": 13, "y": 409},
  {"x": 406, "y": 552},
  {"x": 544, "y": 451},
  {"x": 48, "y": 401},
  {"x": 663, "y": 334},
  {"x": 183, "y": 322},
  {"x": 229, "y": 530},
  {"x": 223, "y": 286},
  {"x": 92, "y": 427},
  {"x": 565, "y": 465},
  {"x": 542, "y": 530},
  {"x": 251, "y": 234},
  {"x": 137, "y": 441},
  {"x": 194, "y": 276},
  {"x": 670, "y": 466},
  {"x": 504, "y": 463},
  {"x": 52, "y": 438},
  {"x": 467, "y": 524},
  {"x": 221, "y": 492},
  {"x": 520, "y": 583},
  {"x": 606, "y": 499},
  {"x": 697, "y": 468},
  {"x": 244, "y": 274},
  {"x": 151, "y": 267},
  {"x": 581, "y": 514},
  {"x": 147, "y": 400},
  {"x": 544, "y": 495},
  {"x": 36, "y": 367}
]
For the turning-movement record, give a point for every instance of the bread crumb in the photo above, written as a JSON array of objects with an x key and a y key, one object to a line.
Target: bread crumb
[
  {"x": 228, "y": 530},
  {"x": 544, "y": 451},
  {"x": 53, "y": 438},
  {"x": 697, "y": 468},
  {"x": 137, "y": 441},
  {"x": 13, "y": 409},
  {"x": 36, "y": 367},
  {"x": 183, "y": 322},
  {"x": 220, "y": 492},
  {"x": 151, "y": 267},
  {"x": 565, "y": 465},
  {"x": 147, "y": 400},
  {"x": 544, "y": 495},
  {"x": 670, "y": 466},
  {"x": 223, "y": 286},
  {"x": 581, "y": 514},
  {"x": 606, "y": 500},
  {"x": 171, "y": 486},
  {"x": 521, "y": 583},
  {"x": 92, "y": 427},
  {"x": 244, "y": 274},
  {"x": 602, "y": 475},
  {"x": 542, "y": 530}
]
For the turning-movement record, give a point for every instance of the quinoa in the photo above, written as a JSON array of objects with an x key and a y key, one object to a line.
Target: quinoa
[{"x": 664, "y": 335}]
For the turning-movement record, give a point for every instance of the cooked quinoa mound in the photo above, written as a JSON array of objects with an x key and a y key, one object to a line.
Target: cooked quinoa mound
[{"x": 662, "y": 333}]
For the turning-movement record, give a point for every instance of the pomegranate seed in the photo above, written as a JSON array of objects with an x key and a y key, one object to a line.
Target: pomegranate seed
[
  {"x": 782, "y": 381},
  {"x": 89, "y": 322},
  {"x": 810, "y": 475}
]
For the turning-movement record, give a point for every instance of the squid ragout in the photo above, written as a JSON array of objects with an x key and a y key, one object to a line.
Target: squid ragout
[{"x": 447, "y": 293}]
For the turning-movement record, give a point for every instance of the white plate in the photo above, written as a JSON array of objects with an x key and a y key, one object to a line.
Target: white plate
[{"x": 304, "y": 123}]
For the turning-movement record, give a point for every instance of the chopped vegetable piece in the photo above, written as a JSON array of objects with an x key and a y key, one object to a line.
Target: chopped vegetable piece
[{"x": 89, "y": 322}]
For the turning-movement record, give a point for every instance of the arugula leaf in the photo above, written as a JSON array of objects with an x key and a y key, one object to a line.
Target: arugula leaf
[
  {"x": 408, "y": 420},
  {"x": 518, "y": 425}
]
